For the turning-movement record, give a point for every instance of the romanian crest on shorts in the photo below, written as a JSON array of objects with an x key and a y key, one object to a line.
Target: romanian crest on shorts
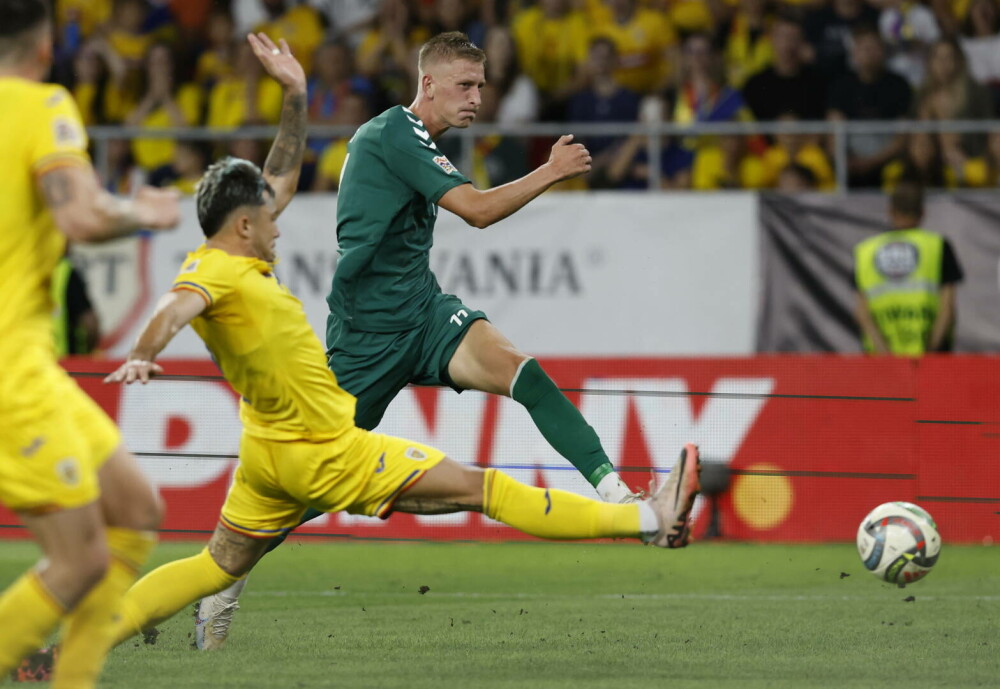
[{"x": 415, "y": 454}]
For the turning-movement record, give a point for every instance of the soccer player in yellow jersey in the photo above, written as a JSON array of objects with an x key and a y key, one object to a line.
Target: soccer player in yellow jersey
[
  {"x": 300, "y": 447},
  {"x": 63, "y": 468}
]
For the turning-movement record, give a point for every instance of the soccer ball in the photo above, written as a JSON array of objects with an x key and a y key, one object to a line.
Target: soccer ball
[{"x": 899, "y": 542}]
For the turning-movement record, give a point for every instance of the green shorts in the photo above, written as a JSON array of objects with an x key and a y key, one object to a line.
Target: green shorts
[{"x": 374, "y": 367}]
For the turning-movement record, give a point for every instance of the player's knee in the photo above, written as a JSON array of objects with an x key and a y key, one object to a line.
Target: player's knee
[
  {"x": 472, "y": 480},
  {"x": 143, "y": 511},
  {"x": 80, "y": 569},
  {"x": 94, "y": 565}
]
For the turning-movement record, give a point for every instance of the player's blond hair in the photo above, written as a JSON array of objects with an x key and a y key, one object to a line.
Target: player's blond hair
[{"x": 449, "y": 46}]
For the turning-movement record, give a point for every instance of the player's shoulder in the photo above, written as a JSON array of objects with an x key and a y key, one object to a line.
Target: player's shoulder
[
  {"x": 38, "y": 102},
  {"x": 34, "y": 92},
  {"x": 401, "y": 125},
  {"x": 206, "y": 260}
]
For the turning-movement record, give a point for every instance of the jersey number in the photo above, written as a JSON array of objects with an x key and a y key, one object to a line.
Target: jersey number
[{"x": 458, "y": 316}]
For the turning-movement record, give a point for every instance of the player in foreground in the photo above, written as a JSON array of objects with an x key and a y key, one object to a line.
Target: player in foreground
[
  {"x": 390, "y": 324},
  {"x": 300, "y": 447},
  {"x": 63, "y": 468}
]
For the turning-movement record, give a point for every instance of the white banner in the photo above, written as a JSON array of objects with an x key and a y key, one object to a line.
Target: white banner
[{"x": 614, "y": 274}]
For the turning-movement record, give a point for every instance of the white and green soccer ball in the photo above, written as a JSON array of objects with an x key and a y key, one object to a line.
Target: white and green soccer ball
[{"x": 899, "y": 542}]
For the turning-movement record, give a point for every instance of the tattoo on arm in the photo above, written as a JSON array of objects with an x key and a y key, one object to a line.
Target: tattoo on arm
[
  {"x": 57, "y": 187},
  {"x": 290, "y": 144}
]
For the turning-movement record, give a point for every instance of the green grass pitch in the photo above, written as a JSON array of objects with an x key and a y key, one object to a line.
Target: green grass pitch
[{"x": 351, "y": 615}]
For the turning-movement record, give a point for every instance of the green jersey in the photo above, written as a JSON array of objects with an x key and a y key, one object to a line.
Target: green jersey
[{"x": 392, "y": 179}]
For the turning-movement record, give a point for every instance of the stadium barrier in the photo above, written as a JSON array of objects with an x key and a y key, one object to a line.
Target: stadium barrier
[
  {"x": 657, "y": 136},
  {"x": 811, "y": 444}
]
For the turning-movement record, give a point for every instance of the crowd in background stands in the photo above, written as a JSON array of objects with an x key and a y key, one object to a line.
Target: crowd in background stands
[{"x": 176, "y": 63}]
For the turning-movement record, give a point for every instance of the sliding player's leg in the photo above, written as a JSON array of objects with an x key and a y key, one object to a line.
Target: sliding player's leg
[
  {"x": 556, "y": 514},
  {"x": 407, "y": 476},
  {"x": 257, "y": 508},
  {"x": 486, "y": 360},
  {"x": 373, "y": 367},
  {"x": 168, "y": 589}
]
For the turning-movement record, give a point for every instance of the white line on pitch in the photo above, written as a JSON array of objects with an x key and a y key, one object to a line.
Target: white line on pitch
[{"x": 609, "y": 596}]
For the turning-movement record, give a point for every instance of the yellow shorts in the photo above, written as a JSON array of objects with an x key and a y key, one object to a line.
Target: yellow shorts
[
  {"x": 360, "y": 472},
  {"x": 54, "y": 439}
]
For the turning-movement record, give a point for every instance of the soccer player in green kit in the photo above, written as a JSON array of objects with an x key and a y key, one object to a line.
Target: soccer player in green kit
[{"x": 390, "y": 325}]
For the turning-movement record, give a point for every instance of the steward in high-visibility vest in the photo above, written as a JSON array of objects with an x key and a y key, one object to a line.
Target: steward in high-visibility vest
[
  {"x": 905, "y": 280},
  {"x": 74, "y": 321}
]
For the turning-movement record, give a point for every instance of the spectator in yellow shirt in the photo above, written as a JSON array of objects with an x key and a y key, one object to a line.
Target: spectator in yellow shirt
[
  {"x": 125, "y": 34},
  {"x": 216, "y": 60},
  {"x": 797, "y": 149},
  {"x": 245, "y": 97},
  {"x": 353, "y": 110},
  {"x": 552, "y": 40},
  {"x": 646, "y": 43},
  {"x": 728, "y": 165},
  {"x": 166, "y": 102},
  {"x": 748, "y": 41},
  {"x": 300, "y": 25}
]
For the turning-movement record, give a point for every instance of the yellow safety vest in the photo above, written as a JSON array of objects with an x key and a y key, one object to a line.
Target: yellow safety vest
[
  {"x": 60, "y": 327},
  {"x": 899, "y": 273}
]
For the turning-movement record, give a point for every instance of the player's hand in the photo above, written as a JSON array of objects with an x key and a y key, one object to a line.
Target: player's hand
[
  {"x": 133, "y": 370},
  {"x": 157, "y": 209},
  {"x": 569, "y": 159},
  {"x": 278, "y": 62}
]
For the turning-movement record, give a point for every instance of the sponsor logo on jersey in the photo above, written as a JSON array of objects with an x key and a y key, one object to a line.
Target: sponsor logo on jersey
[
  {"x": 191, "y": 267},
  {"x": 445, "y": 164},
  {"x": 415, "y": 454},
  {"x": 68, "y": 471},
  {"x": 66, "y": 132},
  {"x": 381, "y": 464},
  {"x": 55, "y": 99}
]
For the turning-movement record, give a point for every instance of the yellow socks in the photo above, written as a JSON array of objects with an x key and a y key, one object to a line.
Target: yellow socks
[
  {"x": 555, "y": 514},
  {"x": 28, "y": 612},
  {"x": 87, "y": 632},
  {"x": 166, "y": 590}
]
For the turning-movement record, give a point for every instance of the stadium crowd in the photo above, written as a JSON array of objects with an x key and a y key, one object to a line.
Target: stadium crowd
[{"x": 179, "y": 63}]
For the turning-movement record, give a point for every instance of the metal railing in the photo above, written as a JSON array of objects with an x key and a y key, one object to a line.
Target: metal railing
[{"x": 656, "y": 135}]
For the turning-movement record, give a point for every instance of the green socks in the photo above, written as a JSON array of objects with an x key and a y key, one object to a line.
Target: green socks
[{"x": 565, "y": 429}]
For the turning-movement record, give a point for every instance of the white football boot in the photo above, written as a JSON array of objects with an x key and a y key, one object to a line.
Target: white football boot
[
  {"x": 673, "y": 501},
  {"x": 214, "y": 614}
]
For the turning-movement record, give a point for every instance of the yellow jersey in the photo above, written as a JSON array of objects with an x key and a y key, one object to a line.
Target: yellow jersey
[
  {"x": 642, "y": 43},
  {"x": 40, "y": 129},
  {"x": 153, "y": 153},
  {"x": 228, "y": 97},
  {"x": 710, "y": 172},
  {"x": 550, "y": 50},
  {"x": 258, "y": 334},
  {"x": 811, "y": 156}
]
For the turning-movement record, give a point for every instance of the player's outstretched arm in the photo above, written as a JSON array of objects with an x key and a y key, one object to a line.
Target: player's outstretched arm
[
  {"x": 483, "y": 208},
  {"x": 85, "y": 212},
  {"x": 284, "y": 161},
  {"x": 174, "y": 310}
]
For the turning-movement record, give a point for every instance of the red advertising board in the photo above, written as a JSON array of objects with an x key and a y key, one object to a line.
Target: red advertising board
[{"x": 810, "y": 444}]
